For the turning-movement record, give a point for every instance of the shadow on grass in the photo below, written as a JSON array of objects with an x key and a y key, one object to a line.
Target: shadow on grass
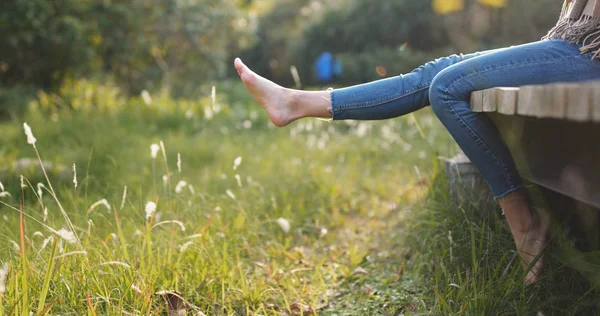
[{"x": 460, "y": 259}]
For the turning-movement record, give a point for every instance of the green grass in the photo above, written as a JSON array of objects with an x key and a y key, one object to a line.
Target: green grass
[{"x": 366, "y": 195}]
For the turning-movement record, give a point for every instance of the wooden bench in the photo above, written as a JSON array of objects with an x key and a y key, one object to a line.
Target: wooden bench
[{"x": 553, "y": 132}]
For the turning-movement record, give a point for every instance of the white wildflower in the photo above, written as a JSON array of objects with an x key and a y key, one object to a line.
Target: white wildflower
[
  {"x": 98, "y": 203},
  {"x": 180, "y": 185},
  {"x": 237, "y": 162},
  {"x": 146, "y": 97},
  {"x": 154, "y": 148},
  {"x": 30, "y": 138},
  {"x": 179, "y": 162},
  {"x": 74, "y": 176},
  {"x": 124, "y": 197},
  {"x": 171, "y": 222},
  {"x": 150, "y": 209},
  {"x": 185, "y": 246},
  {"x": 239, "y": 180},
  {"x": 231, "y": 195},
  {"x": 165, "y": 179},
  {"x": 23, "y": 182},
  {"x": 115, "y": 263},
  {"x": 3, "y": 276},
  {"x": 4, "y": 194},
  {"x": 1, "y": 187},
  {"x": 284, "y": 224}
]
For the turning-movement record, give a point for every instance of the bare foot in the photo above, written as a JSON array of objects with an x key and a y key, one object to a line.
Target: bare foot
[
  {"x": 531, "y": 244},
  {"x": 275, "y": 99}
]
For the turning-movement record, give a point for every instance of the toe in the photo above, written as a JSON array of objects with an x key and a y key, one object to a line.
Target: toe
[{"x": 239, "y": 65}]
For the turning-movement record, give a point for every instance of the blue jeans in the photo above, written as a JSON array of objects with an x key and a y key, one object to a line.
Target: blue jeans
[{"x": 447, "y": 83}]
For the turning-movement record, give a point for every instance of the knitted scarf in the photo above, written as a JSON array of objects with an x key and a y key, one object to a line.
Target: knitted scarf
[{"x": 578, "y": 26}]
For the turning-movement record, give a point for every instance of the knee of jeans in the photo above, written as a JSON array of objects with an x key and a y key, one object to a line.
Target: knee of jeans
[
  {"x": 438, "y": 93},
  {"x": 444, "y": 90}
]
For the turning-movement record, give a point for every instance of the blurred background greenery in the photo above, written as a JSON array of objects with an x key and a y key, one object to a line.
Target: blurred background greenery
[{"x": 184, "y": 46}]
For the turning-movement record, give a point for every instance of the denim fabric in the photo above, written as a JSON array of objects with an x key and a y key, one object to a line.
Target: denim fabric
[{"x": 447, "y": 83}]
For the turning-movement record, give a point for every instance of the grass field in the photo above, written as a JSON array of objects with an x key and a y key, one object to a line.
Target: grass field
[{"x": 343, "y": 218}]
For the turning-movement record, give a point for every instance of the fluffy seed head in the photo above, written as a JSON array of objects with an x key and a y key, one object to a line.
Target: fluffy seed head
[
  {"x": 4, "y": 194},
  {"x": 231, "y": 195},
  {"x": 179, "y": 162},
  {"x": 150, "y": 209},
  {"x": 170, "y": 222},
  {"x": 3, "y": 274},
  {"x": 180, "y": 185},
  {"x": 98, "y": 203},
  {"x": 185, "y": 246},
  {"x": 146, "y": 97},
  {"x": 154, "y": 148},
  {"x": 284, "y": 224},
  {"x": 66, "y": 235},
  {"x": 30, "y": 138},
  {"x": 75, "y": 176},
  {"x": 115, "y": 263},
  {"x": 237, "y": 162},
  {"x": 39, "y": 189},
  {"x": 124, "y": 197}
]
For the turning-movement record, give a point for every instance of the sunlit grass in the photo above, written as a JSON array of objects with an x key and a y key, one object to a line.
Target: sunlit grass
[{"x": 206, "y": 201}]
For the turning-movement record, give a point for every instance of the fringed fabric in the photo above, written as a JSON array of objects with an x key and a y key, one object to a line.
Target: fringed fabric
[{"x": 579, "y": 27}]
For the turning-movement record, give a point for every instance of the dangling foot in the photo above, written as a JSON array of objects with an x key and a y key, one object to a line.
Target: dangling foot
[
  {"x": 275, "y": 99},
  {"x": 531, "y": 244}
]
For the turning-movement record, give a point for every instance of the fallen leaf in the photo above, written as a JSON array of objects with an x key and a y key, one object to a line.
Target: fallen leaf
[{"x": 360, "y": 270}]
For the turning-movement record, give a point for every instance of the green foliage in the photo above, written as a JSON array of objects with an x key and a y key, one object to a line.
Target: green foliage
[
  {"x": 143, "y": 44},
  {"x": 42, "y": 41}
]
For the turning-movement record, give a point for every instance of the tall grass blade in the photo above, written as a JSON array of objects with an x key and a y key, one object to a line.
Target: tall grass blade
[{"x": 46, "y": 285}]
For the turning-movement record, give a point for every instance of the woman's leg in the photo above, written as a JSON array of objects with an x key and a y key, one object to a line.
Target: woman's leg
[
  {"x": 380, "y": 99},
  {"x": 535, "y": 63}
]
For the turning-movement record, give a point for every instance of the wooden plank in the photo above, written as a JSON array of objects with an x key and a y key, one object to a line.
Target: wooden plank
[
  {"x": 579, "y": 102},
  {"x": 477, "y": 101},
  {"x": 557, "y": 105},
  {"x": 527, "y": 100},
  {"x": 490, "y": 100},
  {"x": 507, "y": 100},
  {"x": 595, "y": 86}
]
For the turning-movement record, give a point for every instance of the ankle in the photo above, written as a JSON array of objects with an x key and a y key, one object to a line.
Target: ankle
[{"x": 292, "y": 101}]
